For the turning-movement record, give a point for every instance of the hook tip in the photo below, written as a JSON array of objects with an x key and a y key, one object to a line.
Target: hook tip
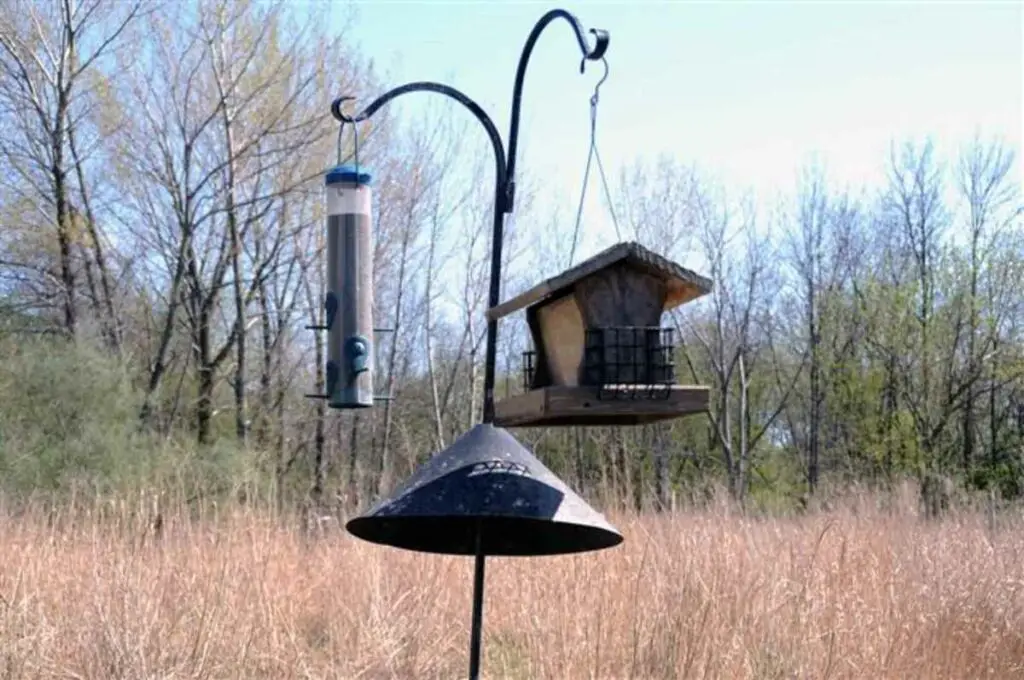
[
  {"x": 336, "y": 111},
  {"x": 601, "y": 40}
]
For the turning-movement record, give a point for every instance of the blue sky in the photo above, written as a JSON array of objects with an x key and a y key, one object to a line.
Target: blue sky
[{"x": 747, "y": 90}]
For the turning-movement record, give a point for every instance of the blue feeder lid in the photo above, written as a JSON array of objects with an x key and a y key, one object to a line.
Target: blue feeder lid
[{"x": 348, "y": 173}]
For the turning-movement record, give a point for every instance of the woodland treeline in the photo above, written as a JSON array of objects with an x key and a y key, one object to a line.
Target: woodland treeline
[{"x": 161, "y": 252}]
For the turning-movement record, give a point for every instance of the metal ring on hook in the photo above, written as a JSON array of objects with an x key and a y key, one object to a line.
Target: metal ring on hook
[
  {"x": 343, "y": 119},
  {"x": 601, "y": 39}
]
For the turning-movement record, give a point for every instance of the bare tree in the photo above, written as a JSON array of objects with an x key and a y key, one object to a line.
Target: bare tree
[
  {"x": 47, "y": 55},
  {"x": 983, "y": 179},
  {"x": 314, "y": 288},
  {"x": 430, "y": 300},
  {"x": 416, "y": 188},
  {"x": 818, "y": 247},
  {"x": 229, "y": 117},
  {"x": 914, "y": 204},
  {"x": 737, "y": 338}
]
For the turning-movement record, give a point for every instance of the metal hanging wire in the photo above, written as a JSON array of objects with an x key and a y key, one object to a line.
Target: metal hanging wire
[
  {"x": 355, "y": 138},
  {"x": 592, "y": 155}
]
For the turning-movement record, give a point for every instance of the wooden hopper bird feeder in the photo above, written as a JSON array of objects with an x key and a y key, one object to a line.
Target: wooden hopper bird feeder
[{"x": 601, "y": 356}]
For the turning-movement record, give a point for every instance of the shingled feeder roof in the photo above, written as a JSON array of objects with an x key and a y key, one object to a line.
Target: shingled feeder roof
[{"x": 684, "y": 285}]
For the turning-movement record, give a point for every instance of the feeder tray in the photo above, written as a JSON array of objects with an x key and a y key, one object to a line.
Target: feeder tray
[
  {"x": 486, "y": 486},
  {"x": 601, "y": 356}
]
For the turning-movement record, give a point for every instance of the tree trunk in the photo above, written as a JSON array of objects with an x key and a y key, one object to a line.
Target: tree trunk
[
  {"x": 204, "y": 404},
  {"x": 353, "y": 460},
  {"x": 622, "y": 487},
  {"x": 108, "y": 317},
  {"x": 814, "y": 435},
  {"x": 660, "y": 447},
  {"x": 262, "y": 428},
  {"x": 385, "y": 450},
  {"x": 744, "y": 422},
  {"x": 581, "y": 475},
  {"x": 60, "y": 195}
]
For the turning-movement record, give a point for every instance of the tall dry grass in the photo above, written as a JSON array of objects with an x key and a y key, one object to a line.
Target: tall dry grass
[{"x": 840, "y": 594}]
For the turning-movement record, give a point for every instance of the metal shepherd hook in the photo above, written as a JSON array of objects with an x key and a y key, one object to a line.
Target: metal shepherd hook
[{"x": 504, "y": 201}]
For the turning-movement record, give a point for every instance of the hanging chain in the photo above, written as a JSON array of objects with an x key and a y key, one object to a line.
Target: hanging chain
[{"x": 592, "y": 155}]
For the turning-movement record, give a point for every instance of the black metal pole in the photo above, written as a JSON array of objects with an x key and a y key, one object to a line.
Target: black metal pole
[
  {"x": 500, "y": 208},
  {"x": 477, "y": 624}
]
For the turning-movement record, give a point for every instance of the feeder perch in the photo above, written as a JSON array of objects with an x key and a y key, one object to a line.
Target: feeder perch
[{"x": 601, "y": 356}]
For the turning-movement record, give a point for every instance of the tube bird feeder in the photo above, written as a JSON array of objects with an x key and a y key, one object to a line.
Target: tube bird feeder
[
  {"x": 348, "y": 303},
  {"x": 350, "y": 281}
]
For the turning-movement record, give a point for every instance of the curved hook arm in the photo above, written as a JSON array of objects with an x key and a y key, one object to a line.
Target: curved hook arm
[
  {"x": 601, "y": 39},
  {"x": 494, "y": 294},
  {"x": 451, "y": 93},
  {"x": 502, "y": 202}
]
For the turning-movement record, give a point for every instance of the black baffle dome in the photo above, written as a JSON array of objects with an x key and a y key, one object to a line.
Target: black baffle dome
[{"x": 487, "y": 481}]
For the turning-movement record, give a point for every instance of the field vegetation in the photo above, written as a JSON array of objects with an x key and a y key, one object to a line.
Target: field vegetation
[{"x": 171, "y": 505}]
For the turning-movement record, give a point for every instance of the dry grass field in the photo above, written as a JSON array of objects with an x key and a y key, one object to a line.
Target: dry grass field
[{"x": 840, "y": 594}]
